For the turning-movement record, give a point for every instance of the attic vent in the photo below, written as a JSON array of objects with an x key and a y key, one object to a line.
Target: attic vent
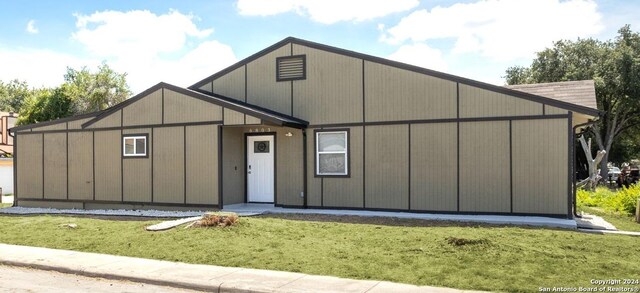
[{"x": 291, "y": 68}]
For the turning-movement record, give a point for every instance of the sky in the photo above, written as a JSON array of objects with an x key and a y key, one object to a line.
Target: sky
[{"x": 182, "y": 42}]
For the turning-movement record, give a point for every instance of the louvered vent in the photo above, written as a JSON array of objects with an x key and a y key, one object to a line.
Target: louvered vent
[{"x": 291, "y": 68}]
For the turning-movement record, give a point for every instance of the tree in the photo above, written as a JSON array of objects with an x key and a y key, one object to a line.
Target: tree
[
  {"x": 91, "y": 92},
  {"x": 614, "y": 65},
  {"x": 13, "y": 94},
  {"x": 45, "y": 105}
]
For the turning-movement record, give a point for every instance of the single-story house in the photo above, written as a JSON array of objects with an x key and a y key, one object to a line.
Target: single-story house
[
  {"x": 306, "y": 125},
  {"x": 7, "y": 121}
]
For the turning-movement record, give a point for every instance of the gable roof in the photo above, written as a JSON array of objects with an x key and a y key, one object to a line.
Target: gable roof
[
  {"x": 56, "y": 121},
  {"x": 581, "y": 92},
  {"x": 259, "y": 112},
  {"x": 438, "y": 74}
]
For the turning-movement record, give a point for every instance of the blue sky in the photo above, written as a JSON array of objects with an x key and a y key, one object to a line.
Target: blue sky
[{"x": 181, "y": 42}]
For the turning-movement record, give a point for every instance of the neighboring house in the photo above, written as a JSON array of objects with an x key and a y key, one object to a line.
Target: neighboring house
[
  {"x": 7, "y": 121},
  {"x": 301, "y": 124}
]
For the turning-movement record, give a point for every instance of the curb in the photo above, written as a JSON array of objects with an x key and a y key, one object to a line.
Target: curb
[
  {"x": 208, "y": 278},
  {"x": 174, "y": 284}
]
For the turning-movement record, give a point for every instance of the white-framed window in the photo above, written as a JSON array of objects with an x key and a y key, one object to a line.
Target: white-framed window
[
  {"x": 332, "y": 153},
  {"x": 134, "y": 145}
]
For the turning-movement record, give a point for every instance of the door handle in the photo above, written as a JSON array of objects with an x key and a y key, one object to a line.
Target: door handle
[{"x": 249, "y": 172}]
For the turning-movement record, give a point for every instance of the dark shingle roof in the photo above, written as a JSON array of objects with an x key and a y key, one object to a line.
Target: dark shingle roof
[{"x": 581, "y": 92}]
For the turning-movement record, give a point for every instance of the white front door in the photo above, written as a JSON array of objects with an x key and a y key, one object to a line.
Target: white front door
[{"x": 260, "y": 168}]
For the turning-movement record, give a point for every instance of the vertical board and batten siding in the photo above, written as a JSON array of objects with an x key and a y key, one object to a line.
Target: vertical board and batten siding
[
  {"x": 484, "y": 167},
  {"x": 232, "y": 117},
  {"x": 137, "y": 171},
  {"x": 289, "y": 162},
  {"x": 168, "y": 165},
  {"x": 146, "y": 111},
  {"x": 207, "y": 87},
  {"x": 314, "y": 184},
  {"x": 476, "y": 102},
  {"x": 29, "y": 165},
  {"x": 550, "y": 110},
  {"x": 58, "y": 126},
  {"x": 540, "y": 166},
  {"x": 80, "y": 165},
  {"x": 55, "y": 165},
  {"x": 180, "y": 108},
  {"x": 201, "y": 164},
  {"x": 434, "y": 167},
  {"x": 387, "y": 167},
  {"x": 394, "y": 94},
  {"x": 332, "y": 90},
  {"x": 108, "y": 167},
  {"x": 347, "y": 192},
  {"x": 113, "y": 120},
  {"x": 232, "y": 84},
  {"x": 262, "y": 88},
  {"x": 77, "y": 124},
  {"x": 233, "y": 169},
  {"x": 252, "y": 120}
]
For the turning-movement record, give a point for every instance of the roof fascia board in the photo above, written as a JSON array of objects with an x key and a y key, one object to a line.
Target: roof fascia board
[
  {"x": 400, "y": 65},
  {"x": 56, "y": 121},
  {"x": 114, "y": 108},
  {"x": 206, "y": 97},
  {"x": 236, "y": 104},
  {"x": 241, "y": 63}
]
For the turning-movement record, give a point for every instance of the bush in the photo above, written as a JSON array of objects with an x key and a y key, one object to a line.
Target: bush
[
  {"x": 622, "y": 201},
  {"x": 213, "y": 220}
]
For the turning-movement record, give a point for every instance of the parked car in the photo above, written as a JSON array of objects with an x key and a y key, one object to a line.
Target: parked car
[
  {"x": 614, "y": 173},
  {"x": 628, "y": 176}
]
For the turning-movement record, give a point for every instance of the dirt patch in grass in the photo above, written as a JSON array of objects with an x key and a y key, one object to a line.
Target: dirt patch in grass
[{"x": 384, "y": 221}]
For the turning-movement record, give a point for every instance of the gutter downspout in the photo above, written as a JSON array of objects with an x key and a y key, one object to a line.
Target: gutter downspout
[
  {"x": 575, "y": 186},
  {"x": 15, "y": 168}
]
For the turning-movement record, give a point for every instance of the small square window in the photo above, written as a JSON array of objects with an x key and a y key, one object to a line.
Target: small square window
[
  {"x": 332, "y": 155},
  {"x": 134, "y": 145}
]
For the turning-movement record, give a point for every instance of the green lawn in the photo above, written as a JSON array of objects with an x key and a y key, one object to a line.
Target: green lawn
[
  {"x": 506, "y": 258},
  {"x": 4, "y": 205}
]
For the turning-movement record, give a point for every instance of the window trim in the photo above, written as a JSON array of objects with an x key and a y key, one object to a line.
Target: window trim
[
  {"x": 347, "y": 152},
  {"x": 304, "y": 67},
  {"x": 135, "y": 136}
]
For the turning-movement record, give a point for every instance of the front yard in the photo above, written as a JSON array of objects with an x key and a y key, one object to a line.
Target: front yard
[{"x": 409, "y": 251}]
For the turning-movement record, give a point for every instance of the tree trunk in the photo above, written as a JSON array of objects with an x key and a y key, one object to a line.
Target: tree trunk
[{"x": 604, "y": 170}]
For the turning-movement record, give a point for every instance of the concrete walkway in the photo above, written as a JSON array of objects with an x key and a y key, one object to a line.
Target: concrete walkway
[
  {"x": 256, "y": 209},
  {"x": 198, "y": 277}
]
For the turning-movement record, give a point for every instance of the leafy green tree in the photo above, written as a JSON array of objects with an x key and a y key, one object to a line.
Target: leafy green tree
[
  {"x": 91, "y": 92},
  {"x": 13, "y": 94},
  {"x": 614, "y": 65},
  {"x": 45, "y": 105}
]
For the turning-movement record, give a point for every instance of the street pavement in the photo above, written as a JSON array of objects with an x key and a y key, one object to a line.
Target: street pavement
[{"x": 21, "y": 279}]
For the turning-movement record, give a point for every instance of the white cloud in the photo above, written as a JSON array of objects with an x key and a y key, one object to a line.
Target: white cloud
[
  {"x": 37, "y": 66},
  {"x": 152, "y": 48},
  {"x": 327, "y": 11},
  {"x": 31, "y": 27},
  {"x": 420, "y": 55},
  {"x": 137, "y": 32},
  {"x": 500, "y": 29},
  {"x": 206, "y": 59}
]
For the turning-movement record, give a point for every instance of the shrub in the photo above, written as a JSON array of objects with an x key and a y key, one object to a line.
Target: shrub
[
  {"x": 622, "y": 201},
  {"x": 213, "y": 220}
]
